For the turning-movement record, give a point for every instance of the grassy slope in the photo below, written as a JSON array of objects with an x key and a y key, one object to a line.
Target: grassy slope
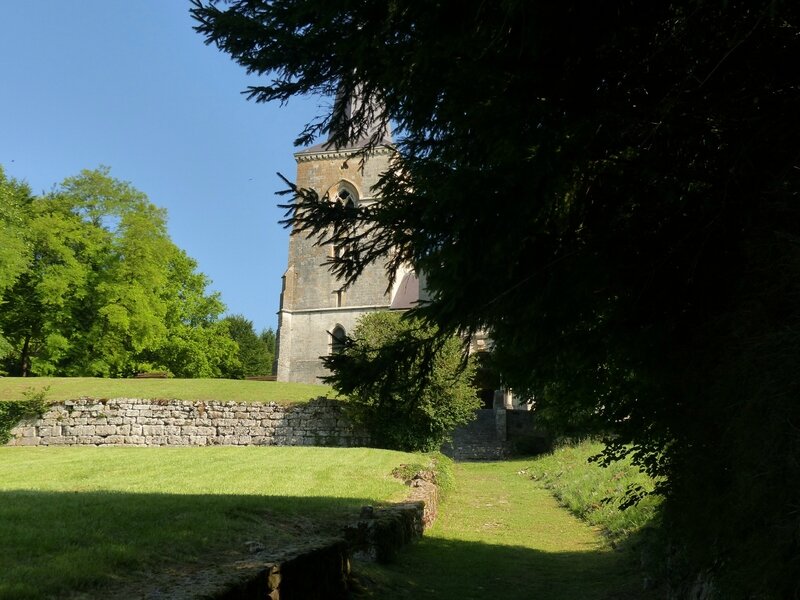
[
  {"x": 593, "y": 492},
  {"x": 501, "y": 536},
  {"x": 82, "y": 519},
  {"x": 70, "y": 388}
]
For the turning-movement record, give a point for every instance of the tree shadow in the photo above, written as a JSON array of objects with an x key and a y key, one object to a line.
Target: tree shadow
[
  {"x": 113, "y": 544},
  {"x": 447, "y": 569}
]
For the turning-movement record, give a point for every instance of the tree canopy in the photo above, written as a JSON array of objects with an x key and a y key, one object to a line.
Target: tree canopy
[
  {"x": 93, "y": 285},
  {"x": 611, "y": 189},
  {"x": 254, "y": 351}
]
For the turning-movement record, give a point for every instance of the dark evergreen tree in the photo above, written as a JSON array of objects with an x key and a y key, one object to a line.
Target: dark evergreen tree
[
  {"x": 406, "y": 400},
  {"x": 612, "y": 189}
]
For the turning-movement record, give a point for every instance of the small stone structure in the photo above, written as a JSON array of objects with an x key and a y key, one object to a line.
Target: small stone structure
[
  {"x": 323, "y": 572},
  {"x": 137, "y": 422},
  {"x": 497, "y": 433}
]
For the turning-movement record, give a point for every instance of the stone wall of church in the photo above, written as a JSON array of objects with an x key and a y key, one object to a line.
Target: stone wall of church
[
  {"x": 312, "y": 285},
  {"x": 305, "y": 337},
  {"x": 136, "y": 422},
  {"x": 312, "y": 301}
]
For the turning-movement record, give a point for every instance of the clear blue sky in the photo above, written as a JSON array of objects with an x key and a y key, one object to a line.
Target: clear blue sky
[{"x": 130, "y": 85}]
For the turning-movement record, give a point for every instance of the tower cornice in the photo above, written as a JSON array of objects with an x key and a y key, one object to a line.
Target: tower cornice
[{"x": 319, "y": 153}]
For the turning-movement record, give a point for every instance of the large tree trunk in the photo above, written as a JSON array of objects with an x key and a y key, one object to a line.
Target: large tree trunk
[{"x": 25, "y": 359}]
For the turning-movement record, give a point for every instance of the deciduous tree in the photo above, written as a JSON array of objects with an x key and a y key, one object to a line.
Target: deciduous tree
[
  {"x": 14, "y": 246},
  {"x": 104, "y": 291},
  {"x": 253, "y": 353}
]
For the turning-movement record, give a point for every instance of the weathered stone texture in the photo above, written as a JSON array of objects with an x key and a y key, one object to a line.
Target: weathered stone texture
[
  {"x": 320, "y": 422},
  {"x": 312, "y": 301}
]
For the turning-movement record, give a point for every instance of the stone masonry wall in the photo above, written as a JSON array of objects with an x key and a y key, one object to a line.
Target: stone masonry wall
[{"x": 136, "y": 422}]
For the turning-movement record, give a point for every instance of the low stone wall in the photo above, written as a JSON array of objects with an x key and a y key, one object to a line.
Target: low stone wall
[{"x": 137, "y": 422}]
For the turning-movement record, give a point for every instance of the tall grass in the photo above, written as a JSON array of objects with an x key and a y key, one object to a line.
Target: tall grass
[{"x": 595, "y": 493}]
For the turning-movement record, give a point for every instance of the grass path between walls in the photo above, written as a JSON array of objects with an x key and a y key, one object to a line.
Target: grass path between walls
[
  {"x": 106, "y": 522},
  {"x": 71, "y": 388},
  {"x": 501, "y": 535}
]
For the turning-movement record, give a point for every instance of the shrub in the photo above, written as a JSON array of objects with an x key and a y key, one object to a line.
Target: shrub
[
  {"x": 11, "y": 413},
  {"x": 406, "y": 384}
]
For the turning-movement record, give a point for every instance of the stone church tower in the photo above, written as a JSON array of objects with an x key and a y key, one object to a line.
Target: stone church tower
[{"x": 315, "y": 312}]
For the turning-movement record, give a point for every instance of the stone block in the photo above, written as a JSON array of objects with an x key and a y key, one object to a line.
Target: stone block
[
  {"x": 50, "y": 430},
  {"x": 103, "y": 430},
  {"x": 64, "y": 440},
  {"x": 152, "y": 430},
  {"x": 27, "y": 441}
]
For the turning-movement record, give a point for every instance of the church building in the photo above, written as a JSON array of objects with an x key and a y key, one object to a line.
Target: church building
[{"x": 315, "y": 311}]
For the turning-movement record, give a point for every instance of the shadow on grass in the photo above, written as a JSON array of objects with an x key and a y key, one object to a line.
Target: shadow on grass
[
  {"x": 96, "y": 544},
  {"x": 455, "y": 569}
]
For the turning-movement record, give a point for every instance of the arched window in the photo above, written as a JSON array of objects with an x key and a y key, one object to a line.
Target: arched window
[
  {"x": 346, "y": 197},
  {"x": 338, "y": 336},
  {"x": 345, "y": 193}
]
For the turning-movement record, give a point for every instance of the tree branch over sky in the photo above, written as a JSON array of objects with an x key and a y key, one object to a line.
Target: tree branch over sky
[{"x": 611, "y": 189}]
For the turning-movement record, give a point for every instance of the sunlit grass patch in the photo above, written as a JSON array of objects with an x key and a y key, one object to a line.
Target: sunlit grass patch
[
  {"x": 91, "y": 519},
  {"x": 70, "y": 388}
]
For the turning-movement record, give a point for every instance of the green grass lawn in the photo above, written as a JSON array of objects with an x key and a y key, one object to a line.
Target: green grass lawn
[
  {"x": 70, "y": 388},
  {"x": 93, "y": 521},
  {"x": 503, "y": 536}
]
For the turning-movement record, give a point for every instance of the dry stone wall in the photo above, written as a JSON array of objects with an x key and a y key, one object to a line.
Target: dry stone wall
[{"x": 138, "y": 422}]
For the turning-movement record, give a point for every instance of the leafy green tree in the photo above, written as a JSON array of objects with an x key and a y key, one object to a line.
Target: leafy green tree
[
  {"x": 15, "y": 252},
  {"x": 408, "y": 386},
  {"x": 611, "y": 189},
  {"x": 106, "y": 292},
  {"x": 197, "y": 343},
  {"x": 253, "y": 353}
]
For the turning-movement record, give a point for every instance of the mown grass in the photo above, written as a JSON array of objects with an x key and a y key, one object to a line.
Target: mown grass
[
  {"x": 593, "y": 492},
  {"x": 92, "y": 520},
  {"x": 501, "y": 536},
  {"x": 70, "y": 388}
]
